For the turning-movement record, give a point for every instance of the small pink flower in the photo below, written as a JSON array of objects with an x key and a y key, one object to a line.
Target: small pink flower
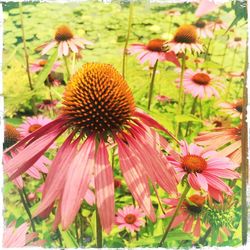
[
  {"x": 153, "y": 51},
  {"x": 19, "y": 237},
  {"x": 66, "y": 42},
  {"x": 172, "y": 13},
  {"x": 185, "y": 39},
  {"x": 131, "y": 218},
  {"x": 47, "y": 104},
  {"x": 163, "y": 98},
  {"x": 190, "y": 213},
  {"x": 220, "y": 137},
  {"x": 237, "y": 42},
  {"x": 203, "y": 30},
  {"x": 32, "y": 196},
  {"x": 206, "y": 6},
  {"x": 218, "y": 25},
  {"x": 39, "y": 64},
  {"x": 204, "y": 169},
  {"x": 201, "y": 84},
  {"x": 234, "y": 109}
]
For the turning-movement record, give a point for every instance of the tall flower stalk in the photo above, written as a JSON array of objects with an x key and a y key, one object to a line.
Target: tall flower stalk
[
  {"x": 127, "y": 38},
  {"x": 151, "y": 86}
]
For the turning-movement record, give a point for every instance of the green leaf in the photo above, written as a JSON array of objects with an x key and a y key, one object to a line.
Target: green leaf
[
  {"x": 46, "y": 70},
  {"x": 68, "y": 239},
  {"x": 186, "y": 118}
]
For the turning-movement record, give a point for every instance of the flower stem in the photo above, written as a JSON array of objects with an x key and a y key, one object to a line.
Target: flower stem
[
  {"x": 151, "y": 86},
  {"x": 158, "y": 198},
  {"x": 66, "y": 66},
  {"x": 183, "y": 196},
  {"x": 230, "y": 81},
  {"x": 183, "y": 64},
  {"x": 202, "y": 240},
  {"x": 127, "y": 38},
  {"x": 192, "y": 112},
  {"x": 26, "y": 57},
  {"x": 98, "y": 230},
  {"x": 26, "y": 207},
  {"x": 170, "y": 24},
  {"x": 223, "y": 59},
  {"x": 59, "y": 237},
  {"x": 244, "y": 164}
]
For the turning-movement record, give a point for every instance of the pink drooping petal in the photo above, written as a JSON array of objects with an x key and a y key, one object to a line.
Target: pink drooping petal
[
  {"x": 171, "y": 57},
  {"x": 193, "y": 181},
  {"x": 188, "y": 224},
  {"x": 72, "y": 46},
  {"x": 104, "y": 187},
  {"x": 65, "y": 48},
  {"x": 135, "y": 179},
  {"x": 90, "y": 197},
  {"x": 205, "y": 7},
  {"x": 77, "y": 181},
  {"x": 197, "y": 228},
  {"x": 48, "y": 47},
  {"x": 215, "y": 194},
  {"x": 202, "y": 181}
]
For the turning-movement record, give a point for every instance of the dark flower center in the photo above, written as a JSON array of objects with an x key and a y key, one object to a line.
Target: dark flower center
[
  {"x": 42, "y": 63},
  {"x": 201, "y": 78},
  {"x": 237, "y": 39},
  {"x": 217, "y": 124},
  {"x": 186, "y": 34},
  {"x": 193, "y": 163},
  {"x": 200, "y": 24},
  {"x": 239, "y": 105},
  {"x": 155, "y": 45},
  {"x": 11, "y": 136},
  {"x": 98, "y": 99},
  {"x": 34, "y": 127},
  {"x": 130, "y": 218},
  {"x": 63, "y": 33},
  {"x": 47, "y": 101}
]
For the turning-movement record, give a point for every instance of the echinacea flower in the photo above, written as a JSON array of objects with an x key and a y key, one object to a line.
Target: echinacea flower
[
  {"x": 218, "y": 24},
  {"x": 227, "y": 138},
  {"x": 19, "y": 237},
  {"x": 204, "y": 169},
  {"x": 172, "y": 13},
  {"x": 206, "y": 6},
  {"x": 237, "y": 42},
  {"x": 234, "y": 109},
  {"x": 131, "y": 218},
  {"x": 152, "y": 51},
  {"x": 11, "y": 137},
  {"x": 47, "y": 104},
  {"x": 39, "y": 64},
  {"x": 185, "y": 39},
  {"x": 203, "y": 29},
  {"x": 189, "y": 213},
  {"x": 98, "y": 105},
  {"x": 200, "y": 83},
  {"x": 66, "y": 42},
  {"x": 218, "y": 122},
  {"x": 163, "y": 98}
]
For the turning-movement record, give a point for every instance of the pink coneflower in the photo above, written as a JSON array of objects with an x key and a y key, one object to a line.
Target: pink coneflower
[
  {"x": 47, "y": 104},
  {"x": 185, "y": 39},
  {"x": 237, "y": 42},
  {"x": 31, "y": 124},
  {"x": 204, "y": 169},
  {"x": 203, "y": 30},
  {"x": 98, "y": 104},
  {"x": 163, "y": 98},
  {"x": 200, "y": 83},
  {"x": 39, "y": 64},
  {"x": 11, "y": 137},
  {"x": 218, "y": 122},
  {"x": 220, "y": 137},
  {"x": 172, "y": 13},
  {"x": 217, "y": 25},
  {"x": 131, "y": 218},
  {"x": 19, "y": 237},
  {"x": 234, "y": 109},
  {"x": 189, "y": 213},
  {"x": 152, "y": 51},
  {"x": 206, "y": 6},
  {"x": 66, "y": 42}
]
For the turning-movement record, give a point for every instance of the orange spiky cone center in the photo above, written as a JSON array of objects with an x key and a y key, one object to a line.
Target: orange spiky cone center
[
  {"x": 130, "y": 218},
  {"x": 98, "y": 99},
  {"x": 186, "y": 34},
  {"x": 11, "y": 136},
  {"x": 155, "y": 45},
  {"x": 200, "y": 24},
  {"x": 201, "y": 78},
  {"x": 193, "y": 163},
  {"x": 34, "y": 127},
  {"x": 63, "y": 33}
]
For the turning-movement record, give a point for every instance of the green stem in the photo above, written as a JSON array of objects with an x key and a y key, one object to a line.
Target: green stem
[
  {"x": 66, "y": 66},
  {"x": 76, "y": 230},
  {"x": 202, "y": 240},
  {"x": 151, "y": 86},
  {"x": 170, "y": 24},
  {"x": 244, "y": 164},
  {"x": 183, "y": 196},
  {"x": 127, "y": 38},
  {"x": 73, "y": 63},
  {"x": 230, "y": 81},
  {"x": 183, "y": 64},
  {"x": 192, "y": 112},
  {"x": 98, "y": 231},
  {"x": 223, "y": 59},
  {"x": 158, "y": 198},
  {"x": 59, "y": 237},
  {"x": 26, "y": 207},
  {"x": 201, "y": 116}
]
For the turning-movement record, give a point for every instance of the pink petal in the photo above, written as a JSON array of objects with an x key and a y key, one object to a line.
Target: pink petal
[
  {"x": 104, "y": 186},
  {"x": 48, "y": 47},
  {"x": 193, "y": 181}
]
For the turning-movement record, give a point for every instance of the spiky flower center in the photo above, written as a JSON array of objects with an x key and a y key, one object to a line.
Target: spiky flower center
[
  {"x": 237, "y": 39},
  {"x": 186, "y": 34},
  {"x": 42, "y": 63},
  {"x": 63, "y": 33},
  {"x": 34, "y": 127},
  {"x": 201, "y": 78},
  {"x": 217, "y": 123},
  {"x": 47, "y": 102},
  {"x": 97, "y": 99},
  {"x": 130, "y": 218},
  {"x": 155, "y": 45},
  {"x": 11, "y": 136},
  {"x": 219, "y": 21},
  {"x": 198, "y": 200},
  {"x": 193, "y": 163},
  {"x": 200, "y": 24},
  {"x": 238, "y": 106}
]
